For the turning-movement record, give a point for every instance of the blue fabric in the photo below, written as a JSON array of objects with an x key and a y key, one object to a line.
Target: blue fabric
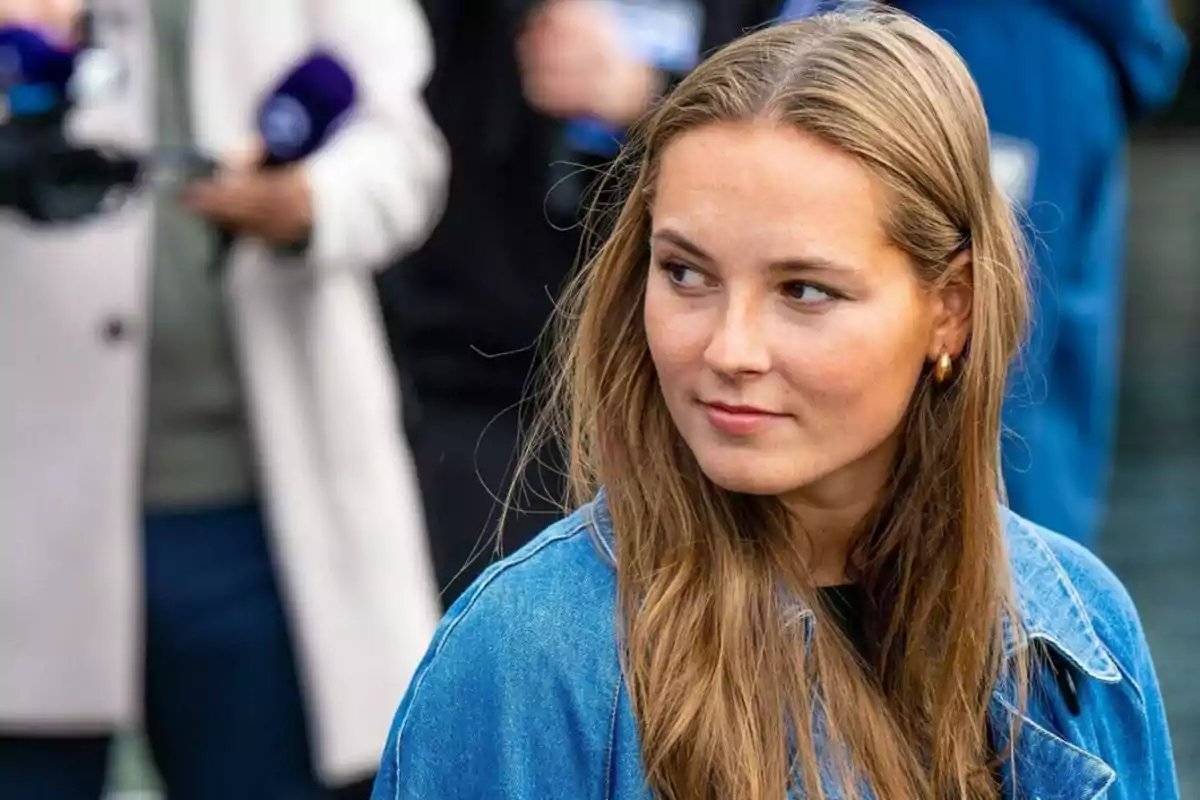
[
  {"x": 224, "y": 713},
  {"x": 798, "y": 9},
  {"x": 521, "y": 695},
  {"x": 1060, "y": 79},
  {"x": 225, "y": 716}
]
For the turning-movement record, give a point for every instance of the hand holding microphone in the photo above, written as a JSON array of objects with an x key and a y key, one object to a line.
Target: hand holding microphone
[
  {"x": 245, "y": 199},
  {"x": 49, "y": 179},
  {"x": 264, "y": 192}
]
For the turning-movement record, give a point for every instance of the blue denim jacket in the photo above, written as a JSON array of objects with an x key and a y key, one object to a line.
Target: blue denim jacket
[{"x": 521, "y": 693}]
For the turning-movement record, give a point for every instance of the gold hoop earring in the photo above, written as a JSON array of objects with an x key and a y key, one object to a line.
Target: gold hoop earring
[{"x": 941, "y": 372}]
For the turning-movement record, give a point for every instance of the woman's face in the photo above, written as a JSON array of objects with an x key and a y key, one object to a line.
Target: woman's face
[{"x": 787, "y": 332}]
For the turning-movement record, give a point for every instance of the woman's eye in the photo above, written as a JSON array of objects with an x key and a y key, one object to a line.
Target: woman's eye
[
  {"x": 684, "y": 277},
  {"x": 807, "y": 293}
]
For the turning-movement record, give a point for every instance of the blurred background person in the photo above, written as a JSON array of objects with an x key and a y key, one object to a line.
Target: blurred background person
[
  {"x": 209, "y": 515},
  {"x": 1063, "y": 81},
  {"x": 531, "y": 95}
]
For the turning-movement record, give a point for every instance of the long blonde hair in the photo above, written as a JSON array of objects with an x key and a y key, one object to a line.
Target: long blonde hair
[{"x": 734, "y": 695}]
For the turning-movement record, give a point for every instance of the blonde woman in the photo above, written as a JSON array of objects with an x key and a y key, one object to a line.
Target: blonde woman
[{"x": 781, "y": 381}]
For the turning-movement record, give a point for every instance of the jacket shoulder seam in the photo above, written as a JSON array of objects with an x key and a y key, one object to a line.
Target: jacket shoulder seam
[{"x": 610, "y": 751}]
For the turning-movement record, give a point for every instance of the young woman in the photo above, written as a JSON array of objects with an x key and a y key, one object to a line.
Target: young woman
[{"x": 782, "y": 383}]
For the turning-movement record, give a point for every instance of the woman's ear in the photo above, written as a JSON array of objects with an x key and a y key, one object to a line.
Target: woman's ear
[{"x": 952, "y": 304}]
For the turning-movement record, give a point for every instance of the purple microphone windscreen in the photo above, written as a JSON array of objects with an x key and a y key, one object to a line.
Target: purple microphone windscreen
[
  {"x": 305, "y": 109},
  {"x": 29, "y": 57}
]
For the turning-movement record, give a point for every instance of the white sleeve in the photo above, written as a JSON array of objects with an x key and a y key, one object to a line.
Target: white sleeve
[{"x": 378, "y": 187}]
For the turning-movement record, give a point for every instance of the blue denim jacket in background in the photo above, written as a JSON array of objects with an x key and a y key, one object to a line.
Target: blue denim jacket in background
[{"x": 521, "y": 694}]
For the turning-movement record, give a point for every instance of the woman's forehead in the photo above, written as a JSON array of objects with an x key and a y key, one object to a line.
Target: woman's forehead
[{"x": 736, "y": 189}]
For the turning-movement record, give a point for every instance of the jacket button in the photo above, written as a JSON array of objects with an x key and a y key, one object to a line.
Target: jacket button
[{"x": 115, "y": 330}]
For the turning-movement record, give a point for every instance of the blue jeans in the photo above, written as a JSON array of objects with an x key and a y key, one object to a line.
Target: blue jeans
[{"x": 225, "y": 716}]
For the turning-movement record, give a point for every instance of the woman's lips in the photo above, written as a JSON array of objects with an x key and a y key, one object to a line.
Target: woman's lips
[{"x": 739, "y": 420}]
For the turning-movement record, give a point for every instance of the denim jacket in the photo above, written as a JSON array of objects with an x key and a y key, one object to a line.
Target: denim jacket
[{"x": 521, "y": 694}]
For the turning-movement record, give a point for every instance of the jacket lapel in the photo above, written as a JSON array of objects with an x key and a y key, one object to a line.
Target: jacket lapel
[{"x": 1044, "y": 766}]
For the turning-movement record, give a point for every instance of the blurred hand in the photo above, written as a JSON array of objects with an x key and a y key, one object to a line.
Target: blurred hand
[
  {"x": 273, "y": 205},
  {"x": 59, "y": 18},
  {"x": 573, "y": 64}
]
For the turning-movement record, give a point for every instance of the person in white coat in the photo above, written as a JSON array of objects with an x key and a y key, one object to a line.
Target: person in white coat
[{"x": 209, "y": 524}]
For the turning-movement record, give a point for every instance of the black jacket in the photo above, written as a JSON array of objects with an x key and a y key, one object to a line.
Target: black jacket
[{"x": 465, "y": 311}]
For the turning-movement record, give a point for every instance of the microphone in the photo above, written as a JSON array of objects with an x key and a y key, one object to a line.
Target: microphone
[
  {"x": 305, "y": 109},
  {"x": 42, "y": 175},
  {"x": 34, "y": 73},
  {"x": 40, "y": 77},
  {"x": 48, "y": 179},
  {"x": 303, "y": 112}
]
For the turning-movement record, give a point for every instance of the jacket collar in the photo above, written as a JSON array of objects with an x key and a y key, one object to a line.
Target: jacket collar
[
  {"x": 1052, "y": 612},
  {"x": 1051, "y": 609},
  {"x": 1043, "y": 764}
]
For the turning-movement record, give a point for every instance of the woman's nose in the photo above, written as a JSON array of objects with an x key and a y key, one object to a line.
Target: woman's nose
[{"x": 738, "y": 344}]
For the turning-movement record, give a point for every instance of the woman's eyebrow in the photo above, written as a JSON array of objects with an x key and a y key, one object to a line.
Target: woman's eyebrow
[{"x": 789, "y": 265}]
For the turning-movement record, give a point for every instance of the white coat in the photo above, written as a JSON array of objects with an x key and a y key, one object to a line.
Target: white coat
[{"x": 338, "y": 483}]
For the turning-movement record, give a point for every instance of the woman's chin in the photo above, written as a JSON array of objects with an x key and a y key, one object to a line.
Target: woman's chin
[{"x": 749, "y": 478}]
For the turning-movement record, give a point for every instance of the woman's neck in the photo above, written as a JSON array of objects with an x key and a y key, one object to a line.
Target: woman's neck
[
  {"x": 829, "y": 513},
  {"x": 828, "y": 534}
]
